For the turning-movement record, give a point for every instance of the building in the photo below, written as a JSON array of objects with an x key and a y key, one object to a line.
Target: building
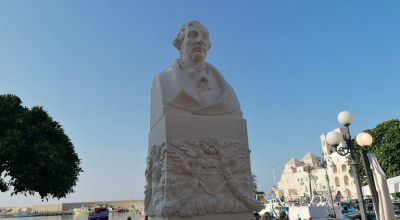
[{"x": 299, "y": 175}]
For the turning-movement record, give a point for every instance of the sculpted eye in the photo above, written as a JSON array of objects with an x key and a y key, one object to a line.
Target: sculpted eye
[
  {"x": 205, "y": 36},
  {"x": 192, "y": 34}
]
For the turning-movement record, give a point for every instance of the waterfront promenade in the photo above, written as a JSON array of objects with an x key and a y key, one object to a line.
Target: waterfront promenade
[{"x": 60, "y": 207}]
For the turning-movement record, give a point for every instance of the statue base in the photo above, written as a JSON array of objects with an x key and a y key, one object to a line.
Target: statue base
[
  {"x": 198, "y": 168},
  {"x": 238, "y": 216}
]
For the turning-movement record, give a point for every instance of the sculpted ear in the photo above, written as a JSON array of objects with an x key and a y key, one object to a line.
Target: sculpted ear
[{"x": 178, "y": 44}]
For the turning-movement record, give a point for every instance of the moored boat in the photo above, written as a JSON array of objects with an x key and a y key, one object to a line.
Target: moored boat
[
  {"x": 82, "y": 209},
  {"x": 99, "y": 214},
  {"x": 112, "y": 209},
  {"x": 108, "y": 208},
  {"x": 274, "y": 205}
]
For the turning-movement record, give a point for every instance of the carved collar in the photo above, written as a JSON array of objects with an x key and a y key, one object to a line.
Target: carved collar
[{"x": 191, "y": 70}]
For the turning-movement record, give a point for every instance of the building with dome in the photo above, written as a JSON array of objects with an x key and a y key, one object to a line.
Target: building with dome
[{"x": 299, "y": 176}]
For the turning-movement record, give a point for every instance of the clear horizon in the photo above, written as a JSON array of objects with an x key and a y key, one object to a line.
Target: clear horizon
[{"x": 80, "y": 203}]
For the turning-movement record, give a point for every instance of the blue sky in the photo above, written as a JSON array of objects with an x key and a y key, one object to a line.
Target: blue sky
[{"x": 293, "y": 64}]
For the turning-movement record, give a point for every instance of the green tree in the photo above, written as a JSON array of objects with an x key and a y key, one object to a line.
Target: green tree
[
  {"x": 254, "y": 184},
  {"x": 259, "y": 195},
  {"x": 35, "y": 153},
  {"x": 309, "y": 169},
  {"x": 396, "y": 196},
  {"x": 385, "y": 146}
]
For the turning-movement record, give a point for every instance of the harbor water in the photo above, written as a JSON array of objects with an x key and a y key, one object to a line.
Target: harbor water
[{"x": 112, "y": 216}]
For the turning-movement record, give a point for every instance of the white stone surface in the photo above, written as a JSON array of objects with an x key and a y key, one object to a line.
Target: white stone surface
[
  {"x": 235, "y": 216},
  {"x": 170, "y": 95},
  {"x": 192, "y": 86},
  {"x": 198, "y": 164}
]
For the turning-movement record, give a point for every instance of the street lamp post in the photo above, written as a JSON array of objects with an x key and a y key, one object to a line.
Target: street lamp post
[
  {"x": 334, "y": 139},
  {"x": 364, "y": 140}
]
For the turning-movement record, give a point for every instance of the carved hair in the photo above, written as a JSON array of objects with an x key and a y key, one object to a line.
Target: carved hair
[{"x": 181, "y": 35}]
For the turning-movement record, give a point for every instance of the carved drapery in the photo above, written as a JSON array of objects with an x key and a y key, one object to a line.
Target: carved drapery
[{"x": 204, "y": 176}]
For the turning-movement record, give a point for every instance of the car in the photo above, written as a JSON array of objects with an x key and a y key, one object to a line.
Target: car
[
  {"x": 397, "y": 213},
  {"x": 370, "y": 207},
  {"x": 357, "y": 216}
]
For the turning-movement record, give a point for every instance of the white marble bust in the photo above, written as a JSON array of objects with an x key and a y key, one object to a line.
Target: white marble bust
[{"x": 192, "y": 86}]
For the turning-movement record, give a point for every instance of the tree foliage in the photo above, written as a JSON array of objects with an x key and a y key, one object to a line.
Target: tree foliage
[
  {"x": 385, "y": 146},
  {"x": 309, "y": 169},
  {"x": 35, "y": 153}
]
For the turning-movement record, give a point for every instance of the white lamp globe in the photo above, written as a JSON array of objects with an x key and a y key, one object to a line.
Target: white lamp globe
[
  {"x": 333, "y": 138},
  {"x": 364, "y": 139},
  {"x": 345, "y": 118}
]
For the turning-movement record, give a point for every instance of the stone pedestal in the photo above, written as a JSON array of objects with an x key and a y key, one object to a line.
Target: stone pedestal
[
  {"x": 224, "y": 216},
  {"x": 199, "y": 168}
]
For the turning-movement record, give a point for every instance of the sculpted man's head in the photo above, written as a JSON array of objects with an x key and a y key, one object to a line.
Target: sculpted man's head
[{"x": 193, "y": 42}]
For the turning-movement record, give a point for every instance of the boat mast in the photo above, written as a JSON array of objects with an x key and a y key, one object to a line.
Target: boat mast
[{"x": 273, "y": 173}]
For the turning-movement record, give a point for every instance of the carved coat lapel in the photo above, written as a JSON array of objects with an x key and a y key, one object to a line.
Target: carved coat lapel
[{"x": 178, "y": 96}]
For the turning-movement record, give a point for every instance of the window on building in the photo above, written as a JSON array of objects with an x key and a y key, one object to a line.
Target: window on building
[
  {"x": 344, "y": 168},
  {"x": 337, "y": 182},
  {"x": 346, "y": 180},
  {"x": 335, "y": 170}
]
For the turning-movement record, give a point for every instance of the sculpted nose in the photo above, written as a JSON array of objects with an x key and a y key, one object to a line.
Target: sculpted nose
[{"x": 199, "y": 39}]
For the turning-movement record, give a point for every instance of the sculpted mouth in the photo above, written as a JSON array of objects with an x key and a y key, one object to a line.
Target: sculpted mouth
[{"x": 200, "y": 49}]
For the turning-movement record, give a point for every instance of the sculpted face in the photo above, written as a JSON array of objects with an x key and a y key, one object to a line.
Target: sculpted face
[{"x": 195, "y": 44}]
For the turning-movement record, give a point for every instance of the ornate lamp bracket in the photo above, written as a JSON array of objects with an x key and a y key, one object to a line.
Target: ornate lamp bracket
[{"x": 342, "y": 151}]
